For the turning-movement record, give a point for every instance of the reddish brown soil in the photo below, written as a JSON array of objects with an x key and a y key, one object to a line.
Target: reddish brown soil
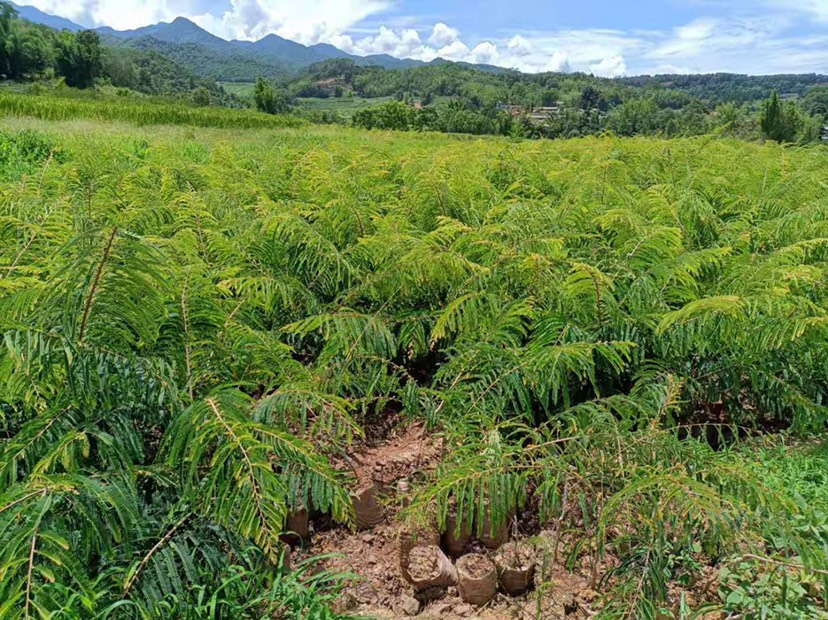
[
  {"x": 405, "y": 455},
  {"x": 476, "y": 565},
  {"x": 401, "y": 456}
]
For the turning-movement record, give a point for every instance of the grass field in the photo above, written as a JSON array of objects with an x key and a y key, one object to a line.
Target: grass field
[
  {"x": 346, "y": 106},
  {"x": 619, "y": 340},
  {"x": 240, "y": 89}
]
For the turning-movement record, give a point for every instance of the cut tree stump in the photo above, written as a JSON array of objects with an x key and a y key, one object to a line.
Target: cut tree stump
[
  {"x": 368, "y": 510},
  {"x": 515, "y": 563},
  {"x": 456, "y": 541},
  {"x": 477, "y": 579},
  {"x": 428, "y": 567}
]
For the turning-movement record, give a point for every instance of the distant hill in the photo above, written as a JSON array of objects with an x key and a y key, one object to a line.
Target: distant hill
[
  {"x": 179, "y": 31},
  {"x": 39, "y": 17},
  {"x": 207, "y": 55},
  {"x": 229, "y": 65},
  {"x": 730, "y": 86}
]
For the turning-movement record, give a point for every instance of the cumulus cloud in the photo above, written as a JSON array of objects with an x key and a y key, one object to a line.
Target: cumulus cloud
[
  {"x": 485, "y": 53},
  {"x": 455, "y": 51},
  {"x": 120, "y": 14},
  {"x": 443, "y": 35},
  {"x": 519, "y": 46},
  {"x": 308, "y": 21},
  {"x": 403, "y": 44}
]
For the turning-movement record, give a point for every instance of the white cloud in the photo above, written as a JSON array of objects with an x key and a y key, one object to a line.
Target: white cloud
[
  {"x": 120, "y": 14},
  {"x": 519, "y": 46},
  {"x": 817, "y": 9},
  {"x": 308, "y": 21},
  {"x": 614, "y": 66},
  {"x": 559, "y": 61},
  {"x": 343, "y": 42},
  {"x": 403, "y": 44},
  {"x": 455, "y": 51},
  {"x": 443, "y": 35},
  {"x": 486, "y": 53}
]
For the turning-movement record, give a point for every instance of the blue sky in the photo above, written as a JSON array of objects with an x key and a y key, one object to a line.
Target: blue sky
[{"x": 603, "y": 37}]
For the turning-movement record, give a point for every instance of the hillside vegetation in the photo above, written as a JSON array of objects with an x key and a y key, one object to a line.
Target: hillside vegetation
[
  {"x": 180, "y": 60},
  {"x": 198, "y": 325}
]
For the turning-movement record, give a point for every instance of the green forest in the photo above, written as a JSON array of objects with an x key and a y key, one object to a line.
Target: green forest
[
  {"x": 439, "y": 358},
  {"x": 444, "y": 97}
]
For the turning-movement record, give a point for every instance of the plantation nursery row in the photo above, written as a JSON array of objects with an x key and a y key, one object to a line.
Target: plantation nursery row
[
  {"x": 198, "y": 324},
  {"x": 138, "y": 112}
]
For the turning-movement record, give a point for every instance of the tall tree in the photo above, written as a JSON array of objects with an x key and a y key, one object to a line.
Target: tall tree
[
  {"x": 7, "y": 17},
  {"x": 816, "y": 101},
  {"x": 268, "y": 100},
  {"x": 779, "y": 120},
  {"x": 79, "y": 58}
]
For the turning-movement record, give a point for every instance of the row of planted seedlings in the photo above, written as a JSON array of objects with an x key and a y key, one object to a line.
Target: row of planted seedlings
[{"x": 477, "y": 558}]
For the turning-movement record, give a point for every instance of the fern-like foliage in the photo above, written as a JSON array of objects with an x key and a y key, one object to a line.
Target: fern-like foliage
[{"x": 194, "y": 325}]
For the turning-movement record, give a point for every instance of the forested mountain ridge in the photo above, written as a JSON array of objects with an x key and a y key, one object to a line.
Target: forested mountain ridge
[
  {"x": 326, "y": 84},
  {"x": 207, "y": 55}
]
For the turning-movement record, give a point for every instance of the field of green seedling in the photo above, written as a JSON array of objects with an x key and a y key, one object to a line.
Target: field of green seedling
[
  {"x": 139, "y": 112},
  {"x": 624, "y": 340}
]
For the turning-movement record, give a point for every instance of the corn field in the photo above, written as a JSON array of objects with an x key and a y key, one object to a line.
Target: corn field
[{"x": 198, "y": 323}]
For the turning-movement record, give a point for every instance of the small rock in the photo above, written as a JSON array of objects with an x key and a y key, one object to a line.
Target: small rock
[
  {"x": 365, "y": 594},
  {"x": 410, "y": 606},
  {"x": 463, "y": 610},
  {"x": 367, "y": 538},
  {"x": 440, "y": 609},
  {"x": 346, "y": 602}
]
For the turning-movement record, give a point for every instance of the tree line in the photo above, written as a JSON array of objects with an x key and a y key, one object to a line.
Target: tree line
[
  {"x": 459, "y": 99},
  {"x": 81, "y": 60},
  {"x": 28, "y": 49}
]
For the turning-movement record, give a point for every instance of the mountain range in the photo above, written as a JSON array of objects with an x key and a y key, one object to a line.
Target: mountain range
[{"x": 207, "y": 55}]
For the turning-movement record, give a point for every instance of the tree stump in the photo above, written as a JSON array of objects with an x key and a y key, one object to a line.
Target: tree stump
[
  {"x": 456, "y": 540},
  {"x": 428, "y": 567},
  {"x": 368, "y": 510},
  {"x": 477, "y": 579},
  {"x": 515, "y": 563}
]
